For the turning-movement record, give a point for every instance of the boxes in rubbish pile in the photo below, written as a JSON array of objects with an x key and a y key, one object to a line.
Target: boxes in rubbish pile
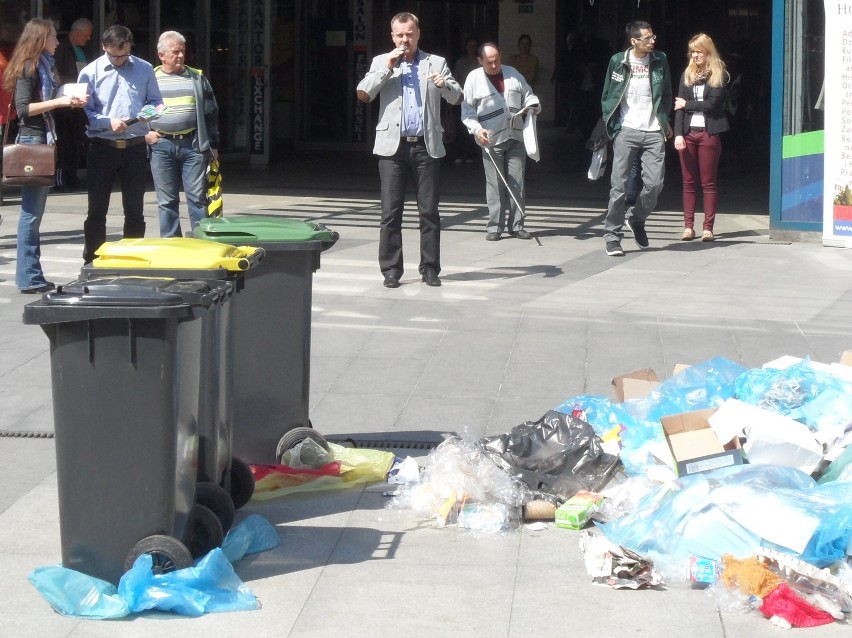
[
  {"x": 578, "y": 510},
  {"x": 694, "y": 445},
  {"x": 634, "y": 385}
]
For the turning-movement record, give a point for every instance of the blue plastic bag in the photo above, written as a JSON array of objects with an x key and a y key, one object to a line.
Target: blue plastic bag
[
  {"x": 211, "y": 585},
  {"x": 254, "y": 534},
  {"x": 71, "y": 593}
]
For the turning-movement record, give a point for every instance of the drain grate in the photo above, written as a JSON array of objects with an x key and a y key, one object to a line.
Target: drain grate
[{"x": 385, "y": 444}]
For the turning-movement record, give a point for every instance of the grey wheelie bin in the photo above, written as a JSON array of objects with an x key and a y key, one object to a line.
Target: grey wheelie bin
[
  {"x": 272, "y": 328},
  {"x": 225, "y": 483},
  {"x": 125, "y": 368}
]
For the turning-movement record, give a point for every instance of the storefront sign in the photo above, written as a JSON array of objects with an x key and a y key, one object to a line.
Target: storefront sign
[
  {"x": 258, "y": 78},
  {"x": 837, "y": 189},
  {"x": 361, "y": 64}
]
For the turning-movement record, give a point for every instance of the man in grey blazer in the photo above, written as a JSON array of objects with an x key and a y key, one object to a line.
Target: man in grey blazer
[{"x": 409, "y": 143}]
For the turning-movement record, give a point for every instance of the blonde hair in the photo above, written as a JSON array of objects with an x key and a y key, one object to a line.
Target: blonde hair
[
  {"x": 714, "y": 64},
  {"x": 25, "y": 57}
]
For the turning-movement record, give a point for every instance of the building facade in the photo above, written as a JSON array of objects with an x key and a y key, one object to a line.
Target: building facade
[{"x": 284, "y": 71}]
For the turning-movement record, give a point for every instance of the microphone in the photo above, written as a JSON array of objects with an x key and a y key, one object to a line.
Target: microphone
[{"x": 402, "y": 55}]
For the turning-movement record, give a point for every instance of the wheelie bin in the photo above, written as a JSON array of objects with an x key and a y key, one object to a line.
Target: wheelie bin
[
  {"x": 225, "y": 483},
  {"x": 125, "y": 369},
  {"x": 272, "y": 330}
]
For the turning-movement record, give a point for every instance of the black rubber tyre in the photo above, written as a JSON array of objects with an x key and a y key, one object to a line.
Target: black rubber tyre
[
  {"x": 216, "y": 498},
  {"x": 296, "y": 436},
  {"x": 203, "y": 532},
  {"x": 242, "y": 483},
  {"x": 169, "y": 554}
]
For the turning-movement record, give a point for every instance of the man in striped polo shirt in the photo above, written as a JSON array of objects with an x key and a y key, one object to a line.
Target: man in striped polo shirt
[{"x": 184, "y": 138}]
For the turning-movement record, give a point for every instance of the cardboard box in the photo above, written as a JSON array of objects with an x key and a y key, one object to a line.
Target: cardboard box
[
  {"x": 577, "y": 510},
  {"x": 694, "y": 445},
  {"x": 634, "y": 385}
]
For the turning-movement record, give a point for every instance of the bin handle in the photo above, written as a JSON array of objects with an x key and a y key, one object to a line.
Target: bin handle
[
  {"x": 252, "y": 259},
  {"x": 334, "y": 235}
]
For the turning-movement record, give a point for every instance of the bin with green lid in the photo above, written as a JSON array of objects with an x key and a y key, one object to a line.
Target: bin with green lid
[
  {"x": 125, "y": 370},
  {"x": 272, "y": 329},
  {"x": 225, "y": 482}
]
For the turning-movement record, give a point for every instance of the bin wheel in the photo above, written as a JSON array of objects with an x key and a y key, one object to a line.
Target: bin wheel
[
  {"x": 296, "y": 436},
  {"x": 242, "y": 483},
  {"x": 168, "y": 553},
  {"x": 203, "y": 532},
  {"x": 217, "y": 499}
]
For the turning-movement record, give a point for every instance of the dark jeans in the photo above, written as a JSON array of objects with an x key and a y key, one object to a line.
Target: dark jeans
[
  {"x": 104, "y": 164},
  {"x": 413, "y": 161}
]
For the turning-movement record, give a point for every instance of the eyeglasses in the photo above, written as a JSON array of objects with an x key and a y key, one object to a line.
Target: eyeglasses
[
  {"x": 647, "y": 38},
  {"x": 695, "y": 52},
  {"x": 118, "y": 57}
]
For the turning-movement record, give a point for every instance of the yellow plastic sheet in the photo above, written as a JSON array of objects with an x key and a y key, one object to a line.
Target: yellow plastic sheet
[{"x": 351, "y": 467}]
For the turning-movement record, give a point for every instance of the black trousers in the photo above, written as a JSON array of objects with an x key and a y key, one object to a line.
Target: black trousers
[
  {"x": 71, "y": 139},
  {"x": 104, "y": 164},
  {"x": 411, "y": 161}
]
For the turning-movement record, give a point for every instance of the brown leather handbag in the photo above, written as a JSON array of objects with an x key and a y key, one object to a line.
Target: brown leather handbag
[{"x": 27, "y": 164}]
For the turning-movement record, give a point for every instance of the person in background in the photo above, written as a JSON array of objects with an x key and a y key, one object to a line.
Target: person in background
[
  {"x": 699, "y": 120},
  {"x": 493, "y": 96},
  {"x": 464, "y": 65},
  {"x": 409, "y": 142},
  {"x": 636, "y": 100},
  {"x": 30, "y": 77},
  {"x": 71, "y": 124},
  {"x": 525, "y": 62},
  {"x": 184, "y": 139},
  {"x": 119, "y": 85}
]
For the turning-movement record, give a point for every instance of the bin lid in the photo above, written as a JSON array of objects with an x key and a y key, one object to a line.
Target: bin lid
[
  {"x": 125, "y": 297},
  {"x": 253, "y": 229},
  {"x": 176, "y": 253}
]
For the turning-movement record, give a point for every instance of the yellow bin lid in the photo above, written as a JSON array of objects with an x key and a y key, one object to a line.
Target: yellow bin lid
[{"x": 176, "y": 253}]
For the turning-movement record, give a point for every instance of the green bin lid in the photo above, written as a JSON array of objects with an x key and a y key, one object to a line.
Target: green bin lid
[{"x": 248, "y": 229}]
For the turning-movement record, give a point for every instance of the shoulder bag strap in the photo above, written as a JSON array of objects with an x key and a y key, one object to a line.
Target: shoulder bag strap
[{"x": 8, "y": 123}]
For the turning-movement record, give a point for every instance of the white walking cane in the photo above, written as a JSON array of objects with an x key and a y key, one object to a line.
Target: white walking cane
[{"x": 502, "y": 177}]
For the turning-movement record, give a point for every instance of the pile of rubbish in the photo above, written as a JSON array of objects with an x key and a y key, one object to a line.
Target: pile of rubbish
[{"x": 738, "y": 480}]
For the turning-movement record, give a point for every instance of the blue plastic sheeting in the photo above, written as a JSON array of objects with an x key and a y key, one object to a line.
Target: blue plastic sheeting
[
  {"x": 701, "y": 386},
  {"x": 816, "y": 398},
  {"x": 209, "y": 586},
  {"x": 736, "y": 510}
]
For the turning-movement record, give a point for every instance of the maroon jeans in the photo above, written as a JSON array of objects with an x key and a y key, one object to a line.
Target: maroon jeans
[{"x": 699, "y": 162}]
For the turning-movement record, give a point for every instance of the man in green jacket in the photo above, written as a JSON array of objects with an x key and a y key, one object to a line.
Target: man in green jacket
[{"x": 636, "y": 100}]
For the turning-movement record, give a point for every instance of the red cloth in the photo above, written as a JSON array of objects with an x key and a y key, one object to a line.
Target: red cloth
[{"x": 787, "y": 604}]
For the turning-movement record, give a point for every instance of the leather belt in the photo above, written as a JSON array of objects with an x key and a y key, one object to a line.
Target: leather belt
[
  {"x": 125, "y": 143},
  {"x": 413, "y": 139},
  {"x": 696, "y": 129},
  {"x": 176, "y": 136}
]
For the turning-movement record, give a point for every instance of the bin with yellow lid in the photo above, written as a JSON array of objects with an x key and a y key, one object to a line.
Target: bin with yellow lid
[{"x": 225, "y": 483}]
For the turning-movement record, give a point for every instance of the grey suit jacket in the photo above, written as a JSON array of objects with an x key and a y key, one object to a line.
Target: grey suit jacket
[{"x": 387, "y": 84}]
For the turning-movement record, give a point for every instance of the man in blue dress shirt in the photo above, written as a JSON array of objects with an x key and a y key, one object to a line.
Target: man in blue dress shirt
[{"x": 119, "y": 85}]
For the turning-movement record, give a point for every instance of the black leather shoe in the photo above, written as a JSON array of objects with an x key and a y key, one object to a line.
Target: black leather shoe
[
  {"x": 34, "y": 291},
  {"x": 492, "y": 236},
  {"x": 430, "y": 277},
  {"x": 391, "y": 281},
  {"x": 522, "y": 234}
]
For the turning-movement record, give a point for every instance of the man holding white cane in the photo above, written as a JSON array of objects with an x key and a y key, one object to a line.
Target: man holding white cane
[{"x": 497, "y": 99}]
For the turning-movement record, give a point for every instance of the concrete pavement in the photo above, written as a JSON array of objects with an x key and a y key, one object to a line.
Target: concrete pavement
[{"x": 517, "y": 327}]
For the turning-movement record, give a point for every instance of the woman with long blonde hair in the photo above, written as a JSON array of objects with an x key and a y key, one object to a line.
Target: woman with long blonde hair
[
  {"x": 31, "y": 79},
  {"x": 699, "y": 120}
]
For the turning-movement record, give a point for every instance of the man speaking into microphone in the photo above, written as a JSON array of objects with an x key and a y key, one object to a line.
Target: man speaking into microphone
[{"x": 409, "y": 143}]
